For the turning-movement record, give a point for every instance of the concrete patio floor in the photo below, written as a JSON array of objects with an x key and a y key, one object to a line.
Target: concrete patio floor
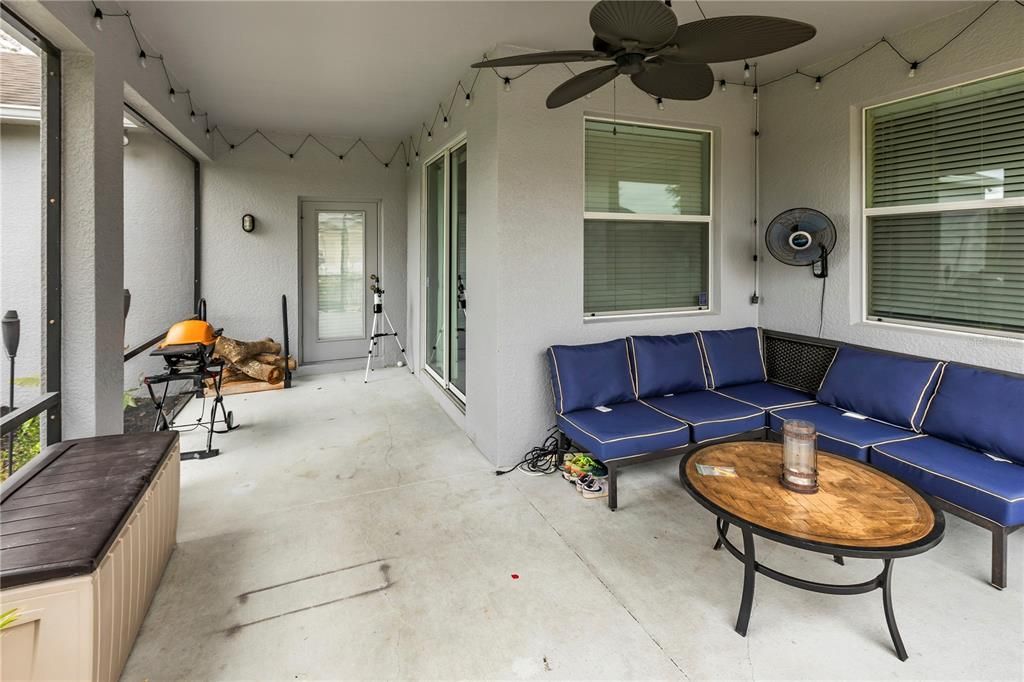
[{"x": 352, "y": 531}]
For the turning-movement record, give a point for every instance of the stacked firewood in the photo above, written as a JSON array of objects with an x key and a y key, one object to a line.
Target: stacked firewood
[{"x": 248, "y": 360}]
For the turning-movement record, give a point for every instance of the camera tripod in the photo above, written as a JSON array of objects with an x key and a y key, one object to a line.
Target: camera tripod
[{"x": 378, "y": 323}]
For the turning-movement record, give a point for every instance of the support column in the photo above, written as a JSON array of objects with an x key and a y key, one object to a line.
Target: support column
[{"x": 93, "y": 249}]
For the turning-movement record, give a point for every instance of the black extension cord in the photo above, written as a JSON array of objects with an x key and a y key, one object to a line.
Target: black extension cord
[{"x": 543, "y": 459}]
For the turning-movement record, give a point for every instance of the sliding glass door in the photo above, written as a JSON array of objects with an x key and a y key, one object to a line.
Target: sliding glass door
[{"x": 444, "y": 281}]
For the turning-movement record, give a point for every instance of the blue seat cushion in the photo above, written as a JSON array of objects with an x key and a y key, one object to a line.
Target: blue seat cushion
[
  {"x": 590, "y": 375},
  {"x": 839, "y": 434},
  {"x": 979, "y": 409},
  {"x": 626, "y": 429},
  {"x": 733, "y": 356},
  {"x": 766, "y": 395},
  {"x": 885, "y": 387},
  {"x": 711, "y": 416},
  {"x": 965, "y": 477},
  {"x": 666, "y": 364}
]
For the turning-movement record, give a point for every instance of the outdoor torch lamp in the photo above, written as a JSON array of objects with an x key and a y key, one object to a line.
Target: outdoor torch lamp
[
  {"x": 799, "y": 456},
  {"x": 12, "y": 335}
]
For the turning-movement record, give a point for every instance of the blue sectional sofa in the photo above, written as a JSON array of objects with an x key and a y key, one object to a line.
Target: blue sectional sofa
[{"x": 954, "y": 431}]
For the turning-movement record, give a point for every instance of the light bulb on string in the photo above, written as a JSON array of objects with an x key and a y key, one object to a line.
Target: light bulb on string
[
  {"x": 207, "y": 133},
  {"x": 341, "y": 159},
  {"x": 172, "y": 95},
  {"x": 817, "y": 83},
  {"x": 721, "y": 85},
  {"x": 508, "y": 84},
  {"x": 97, "y": 19},
  {"x": 192, "y": 116},
  {"x": 430, "y": 136},
  {"x": 661, "y": 104},
  {"x": 445, "y": 122},
  {"x": 913, "y": 70},
  {"x": 746, "y": 71},
  {"x": 755, "y": 93},
  {"x": 469, "y": 99},
  {"x": 142, "y": 59}
]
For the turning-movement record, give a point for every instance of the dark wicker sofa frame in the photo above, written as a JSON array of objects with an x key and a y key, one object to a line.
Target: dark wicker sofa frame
[{"x": 801, "y": 362}]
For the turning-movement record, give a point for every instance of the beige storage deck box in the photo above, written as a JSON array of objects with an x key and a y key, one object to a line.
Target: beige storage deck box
[{"x": 86, "y": 534}]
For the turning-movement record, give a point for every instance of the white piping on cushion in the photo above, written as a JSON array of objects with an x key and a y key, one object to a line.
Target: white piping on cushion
[
  {"x": 710, "y": 421},
  {"x": 708, "y": 440},
  {"x": 700, "y": 358},
  {"x": 634, "y": 370},
  {"x": 829, "y": 369},
  {"x": 616, "y": 440},
  {"x": 920, "y": 398},
  {"x": 704, "y": 353},
  {"x": 802, "y": 403},
  {"x": 558, "y": 378},
  {"x": 948, "y": 478},
  {"x": 760, "y": 352},
  {"x": 938, "y": 383}
]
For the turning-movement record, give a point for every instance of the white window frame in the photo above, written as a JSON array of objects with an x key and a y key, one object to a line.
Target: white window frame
[
  {"x": 444, "y": 152},
  {"x": 658, "y": 218},
  {"x": 910, "y": 209}
]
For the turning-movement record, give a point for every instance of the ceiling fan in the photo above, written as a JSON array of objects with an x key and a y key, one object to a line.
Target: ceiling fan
[{"x": 643, "y": 40}]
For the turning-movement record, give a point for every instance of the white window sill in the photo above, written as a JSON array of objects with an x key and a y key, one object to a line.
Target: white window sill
[
  {"x": 619, "y": 317},
  {"x": 942, "y": 330}
]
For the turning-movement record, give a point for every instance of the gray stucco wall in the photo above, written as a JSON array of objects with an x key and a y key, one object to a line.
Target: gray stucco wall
[
  {"x": 21, "y": 240},
  {"x": 244, "y": 275},
  {"x": 158, "y": 243},
  {"x": 811, "y": 156},
  {"x": 525, "y": 242}
]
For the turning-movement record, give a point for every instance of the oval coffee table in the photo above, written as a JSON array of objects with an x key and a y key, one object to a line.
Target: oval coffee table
[{"x": 857, "y": 512}]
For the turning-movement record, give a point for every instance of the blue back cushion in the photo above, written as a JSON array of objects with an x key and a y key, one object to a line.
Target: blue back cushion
[
  {"x": 886, "y": 387},
  {"x": 980, "y": 410},
  {"x": 666, "y": 364},
  {"x": 733, "y": 357},
  {"x": 590, "y": 375}
]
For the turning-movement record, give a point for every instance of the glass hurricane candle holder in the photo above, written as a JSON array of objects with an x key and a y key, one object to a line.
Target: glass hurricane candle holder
[{"x": 799, "y": 456}]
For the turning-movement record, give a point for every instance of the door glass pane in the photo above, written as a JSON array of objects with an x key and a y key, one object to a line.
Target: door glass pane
[
  {"x": 434, "y": 273},
  {"x": 458, "y": 284},
  {"x": 341, "y": 297}
]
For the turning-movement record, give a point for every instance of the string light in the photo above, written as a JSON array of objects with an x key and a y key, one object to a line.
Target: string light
[
  {"x": 661, "y": 104},
  {"x": 171, "y": 94},
  {"x": 97, "y": 19},
  {"x": 445, "y": 122},
  {"x": 469, "y": 99},
  {"x": 817, "y": 83},
  {"x": 430, "y": 135},
  {"x": 721, "y": 85},
  {"x": 142, "y": 59},
  {"x": 913, "y": 70},
  {"x": 508, "y": 84},
  {"x": 746, "y": 71},
  {"x": 192, "y": 116},
  {"x": 755, "y": 93},
  {"x": 207, "y": 133}
]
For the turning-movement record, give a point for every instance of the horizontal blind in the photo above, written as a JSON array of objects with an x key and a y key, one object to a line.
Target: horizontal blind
[
  {"x": 647, "y": 170},
  {"x": 959, "y": 144},
  {"x": 638, "y": 266},
  {"x": 961, "y": 268}
]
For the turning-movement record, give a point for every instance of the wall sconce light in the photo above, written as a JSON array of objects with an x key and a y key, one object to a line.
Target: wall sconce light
[{"x": 248, "y": 223}]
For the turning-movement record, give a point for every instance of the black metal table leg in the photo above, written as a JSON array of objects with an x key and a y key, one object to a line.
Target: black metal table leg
[
  {"x": 723, "y": 528},
  {"x": 749, "y": 575},
  {"x": 890, "y": 617}
]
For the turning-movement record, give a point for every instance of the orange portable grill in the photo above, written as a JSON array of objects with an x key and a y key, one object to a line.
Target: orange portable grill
[{"x": 187, "y": 352}]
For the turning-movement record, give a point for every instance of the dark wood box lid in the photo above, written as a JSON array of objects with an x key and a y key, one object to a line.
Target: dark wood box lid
[{"x": 59, "y": 518}]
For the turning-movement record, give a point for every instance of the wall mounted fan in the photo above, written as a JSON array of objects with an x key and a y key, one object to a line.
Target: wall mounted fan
[
  {"x": 802, "y": 236},
  {"x": 663, "y": 59}
]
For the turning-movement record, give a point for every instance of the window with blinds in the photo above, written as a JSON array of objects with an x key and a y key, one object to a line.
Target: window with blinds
[
  {"x": 647, "y": 219},
  {"x": 944, "y": 207}
]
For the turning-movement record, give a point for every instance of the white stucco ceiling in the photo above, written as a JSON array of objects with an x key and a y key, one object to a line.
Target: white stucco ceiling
[{"x": 378, "y": 68}]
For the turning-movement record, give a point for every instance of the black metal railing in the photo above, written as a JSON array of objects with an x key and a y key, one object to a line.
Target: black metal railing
[{"x": 12, "y": 422}]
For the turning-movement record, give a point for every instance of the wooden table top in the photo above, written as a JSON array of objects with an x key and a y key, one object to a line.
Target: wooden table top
[{"x": 856, "y": 505}]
